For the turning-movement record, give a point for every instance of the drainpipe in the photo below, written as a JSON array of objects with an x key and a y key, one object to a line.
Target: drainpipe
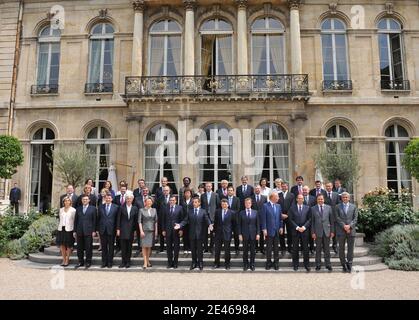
[{"x": 14, "y": 83}]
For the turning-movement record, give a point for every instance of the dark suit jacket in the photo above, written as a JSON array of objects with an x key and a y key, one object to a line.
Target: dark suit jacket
[
  {"x": 125, "y": 225},
  {"x": 92, "y": 202},
  {"x": 85, "y": 224},
  {"x": 294, "y": 190},
  {"x": 186, "y": 207},
  {"x": 15, "y": 195},
  {"x": 235, "y": 204},
  {"x": 299, "y": 220},
  {"x": 242, "y": 196},
  {"x": 159, "y": 192},
  {"x": 169, "y": 220},
  {"x": 249, "y": 227},
  {"x": 287, "y": 202},
  {"x": 314, "y": 193},
  {"x": 322, "y": 224},
  {"x": 221, "y": 193},
  {"x": 271, "y": 222},
  {"x": 212, "y": 205},
  {"x": 351, "y": 218},
  {"x": 137, "y": 193},
  {"x": 223, "y": 229},
  {"x": 312, "y": 201},
  {"x": 198, "y": 225},
  {"x": 139, "y": 201},
  {"x": 107, "y": 223},
  {"x": 332, "y": 202},
  {"x": 74, "y": 200}
]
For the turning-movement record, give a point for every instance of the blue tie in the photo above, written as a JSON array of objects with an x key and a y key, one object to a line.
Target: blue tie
[
  {"x": 107, "y": 209},
  {"x": 196, "y": 212}
]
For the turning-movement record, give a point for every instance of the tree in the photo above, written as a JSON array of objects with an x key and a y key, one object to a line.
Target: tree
[
  {"x": 411, "y": 158},
  {"x": 11, "y": 156},
  {"x": 336, "y": 165},
  {"x": 74, "y": 164}
]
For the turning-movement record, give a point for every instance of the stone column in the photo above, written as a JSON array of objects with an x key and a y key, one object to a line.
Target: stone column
[
  {"x": 296, "y": 64},
  {"x": 242, "y": 60},
  {"x": 137, "y": 43},
  {"x": 189, "y": 56}
]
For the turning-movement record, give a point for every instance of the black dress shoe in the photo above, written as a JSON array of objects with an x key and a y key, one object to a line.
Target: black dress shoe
[
  {"x": 276, "y": 266},
  {"x": 344, "y": 269},
  {"x": 295, "y": 268},
  {"x": 127, "y": 266},
  {"x": 103, "y": 266},
  {"x": 245, "y": 267},
  {"x": 262, "y": 252},
  {"x": 252, "y": 267},
  {"x": 335, "y": 249},
  {"x": 169, "y": 265},
  {"x": 193, "y": 266},
  {"x": 174, "y": 266},
  {"x": 110, "y": 266},
  {"x": 121, "y": 266},
  {"x": 88, "y": 265},
  {"x": 227, "y": 267},
  {"x": 201, "y": 266},
  {"x": 79, "y": 265},
  {"x": 308, "y": 269},
  {"x": 268, "y": 265},
  {"x": 329, "y": 268},
  {"x": 349, "y": 267},
  {"x": 318, "y": 268}
]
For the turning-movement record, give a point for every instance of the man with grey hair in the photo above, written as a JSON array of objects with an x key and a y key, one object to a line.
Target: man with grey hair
[
  {"x": 126, "y": 225},
  {"x": 346, "y": 220}
]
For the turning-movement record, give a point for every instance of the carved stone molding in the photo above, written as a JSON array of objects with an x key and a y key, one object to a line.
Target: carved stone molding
[
  {"x": 189, "y": 4},
  {"x": 188, "y": 117},
  {"x": 333, "y": 7},
  {"x": 103, "y": 13},
  {"x": 294, "y": 4},
  {"x": 241, "y": 4},
  {"x": 138, "y": 5},
  {"x": 237, "y": 118},
  {"x": 389, "y": 8},
  {"x": 134, "y": 118}
]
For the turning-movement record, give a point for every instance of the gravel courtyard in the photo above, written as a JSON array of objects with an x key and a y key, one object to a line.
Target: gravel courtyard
[{"x": 20, "y": 282}]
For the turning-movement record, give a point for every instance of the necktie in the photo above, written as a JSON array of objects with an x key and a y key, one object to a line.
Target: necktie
[
  {"x": 107, "y": 209},
  {"x": 321, "y": 211},
  {"x": 224, "y": 213},
  {"x": 122, "y": 200},
  {"x": 225, "y": 192},
  {"x": 244, "y": 189},
  {"x": 196, "y": 212},
  {"x": 306, "y": 197},
  {"x": 300, "y": 190},
  {"x": 257, "y": 198},
  {"x": 318, "y": 192},
  {"x": 299, "y": 209},
  {"x": 230, "y": 200},
  {"x": 248, "y": 213},
  {"x": 171, "y": 211}
]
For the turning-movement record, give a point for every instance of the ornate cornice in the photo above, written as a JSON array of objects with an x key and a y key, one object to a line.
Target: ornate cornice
[
  {"x": 389, "y": 8},
  {"x": 241, "y": 4},
  {"x": 138, "y": 5},
  {"x": 333, "y": 7},
  {"x": 189, "y": 4},
  {"x": 103, "y": 13},
  {"x": 294, "y": 4}
]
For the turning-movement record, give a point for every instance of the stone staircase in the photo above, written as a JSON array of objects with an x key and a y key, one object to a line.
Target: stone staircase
[{"x": 50, "y": 257}]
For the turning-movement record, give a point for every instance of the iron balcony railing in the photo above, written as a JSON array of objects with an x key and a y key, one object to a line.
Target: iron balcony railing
[
  {"x": 98, "y": 88},
  {"x": 44, "y": 89},
  {"x": 337, "y": 85},
  {"x": 402, "y": 85},
  {"x": 289, "y": 84}
]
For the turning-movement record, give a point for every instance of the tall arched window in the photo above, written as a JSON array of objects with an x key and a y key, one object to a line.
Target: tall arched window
[
  {"x": 338, "y": 140},
  {"x": 42, "y": 144},
  {"x": 268, "y": 47},
  {"x": 215, "y": 154},
  {"x": 271, "y": 153},
  {"x": 216, "y": 48},
  {"x": 161, "y": 157},
  {"x": 98, "y": 141},
  {"x": 48, "y": 61},
  {"x": 101, "y": 59},
  {"x": 165, "y": 49},
  {"x": 335, "y": 56},
  {"x": 391, "y": 55},
  {"x": 397, "y": 139}
]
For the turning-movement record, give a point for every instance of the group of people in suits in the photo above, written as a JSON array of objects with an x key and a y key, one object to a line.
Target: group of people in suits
[{"x": 269, "y": 220}]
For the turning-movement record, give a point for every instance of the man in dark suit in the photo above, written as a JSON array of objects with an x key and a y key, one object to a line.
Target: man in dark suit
[
  {"x": 210, "y": 202},
  {"x": 199, "y": 222},
  {"x": 14, "y": 197},
  {"x": 69, "y": 193},
  {"x": 223, "y": 190},
  {"x": 286, "y": 200},
  {"x": 258, "y": 200},
  {"x": 106, "y": 226},
  {"x": 85, "y": 226},
  {"x": 138, "y": 192},
  {"x": 332, "y": 199},
  {"x": 272, "y": 228},
  {"x": 126, "y": 226},
  {"x": 299, "y": 217},
  {"x": 234, "y": 205},
  {"x": 317, "y": 190},
  {"x": 346, "y": 219},
  {"x": 338, "y": 187},
  {"x": 244, "y": 191},
  {"x": 172, "y": 215},
  {"x": 223, "y": 228},
  {"x": 249, "y": 226},
  {"x": 161, "y": 205},
  {"x": 311, "y": 202},
  {"x": 298, "y": 188},
  {"x": 120, "y": 200},
  {"x": 322, "y": 229},
  {"x": 164, "y": 183},
  {"x": 87, "y": 190}
]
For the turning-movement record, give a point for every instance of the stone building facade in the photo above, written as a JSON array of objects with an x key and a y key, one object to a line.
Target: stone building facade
[{"x": 116, "y": 74}]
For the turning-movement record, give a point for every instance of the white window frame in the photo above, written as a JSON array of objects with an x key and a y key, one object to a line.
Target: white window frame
[
  {"x": 50, "y": 39},
  {"x": 335, "y": 32},
  {"x": 103, "y": 37},
  {"x": 338, "y": 140},
  {"x": 267, "y": 32},
  {"x": 166, "y": 33}
]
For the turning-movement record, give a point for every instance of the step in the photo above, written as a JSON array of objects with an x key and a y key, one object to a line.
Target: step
[
  {"x": 207, "y": 269},
  {"x": 185, "y": 261},
  {"x": 54, "y": 251}
]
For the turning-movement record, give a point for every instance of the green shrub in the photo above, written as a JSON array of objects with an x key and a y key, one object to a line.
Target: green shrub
[
  {"x": 399, "y": 247},
  {"x": 14, "y": 226},
  {"x": 382, "y": 208},
  {"x": 39, "y": 235}
]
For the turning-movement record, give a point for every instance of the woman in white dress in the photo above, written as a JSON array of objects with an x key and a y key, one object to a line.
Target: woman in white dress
[{"x": 264, "y": 190}]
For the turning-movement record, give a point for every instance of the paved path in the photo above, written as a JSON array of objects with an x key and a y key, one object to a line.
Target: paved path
[{"x": 20, "y": 282}]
